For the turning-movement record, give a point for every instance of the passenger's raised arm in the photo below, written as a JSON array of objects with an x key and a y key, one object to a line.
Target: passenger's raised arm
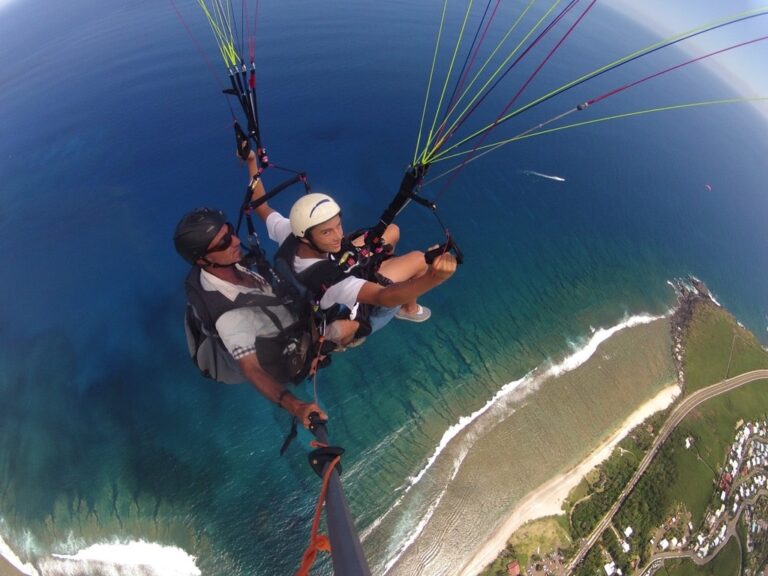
[{"x": 257, "y": 186}]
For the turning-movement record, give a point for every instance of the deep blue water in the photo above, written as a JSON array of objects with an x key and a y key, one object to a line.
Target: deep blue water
[{"x": 113, "y": 127}]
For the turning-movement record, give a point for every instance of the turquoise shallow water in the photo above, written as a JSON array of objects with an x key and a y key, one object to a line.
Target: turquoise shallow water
[{"x": 114, "y": 128}]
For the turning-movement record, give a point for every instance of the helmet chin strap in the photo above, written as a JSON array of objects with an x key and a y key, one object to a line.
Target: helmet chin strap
[
  {"x": 209, "y": 264},
  {"x": 311, "y": 242}
]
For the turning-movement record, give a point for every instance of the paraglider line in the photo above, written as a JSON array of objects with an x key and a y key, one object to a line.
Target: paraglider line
[
  {"x": 611, "y": 66},
  {"x": 491, "y": 147}
]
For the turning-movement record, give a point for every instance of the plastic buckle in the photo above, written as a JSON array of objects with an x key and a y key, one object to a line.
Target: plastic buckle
[{"x": 320, "y": 457}]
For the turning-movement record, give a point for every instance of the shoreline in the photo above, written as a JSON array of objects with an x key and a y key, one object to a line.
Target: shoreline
[
  {"x": 102, "y": 557},
  {"x": 10, "y": 564},
  {"x": 548, "y": 498}
]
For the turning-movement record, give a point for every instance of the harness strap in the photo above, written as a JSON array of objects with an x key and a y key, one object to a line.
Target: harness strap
[
  {"x": 290, "y": 436},
  {"x": 317, "y": 542}
]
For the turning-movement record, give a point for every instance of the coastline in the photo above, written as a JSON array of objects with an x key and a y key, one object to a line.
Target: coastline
[
  {"x": 111, "y": 558},
  {"x": 565, "y": 410},
  {"x": 547, "y": 499},
  {"x": 10, "y": 564}
]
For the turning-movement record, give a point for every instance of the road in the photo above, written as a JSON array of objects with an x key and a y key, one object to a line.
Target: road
[
  {"x": 680, "y": 411},
  {"x": 657, "y": 560}
]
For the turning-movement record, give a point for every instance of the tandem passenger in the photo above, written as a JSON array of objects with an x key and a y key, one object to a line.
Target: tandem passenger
[{"x": 311, "y": 240}]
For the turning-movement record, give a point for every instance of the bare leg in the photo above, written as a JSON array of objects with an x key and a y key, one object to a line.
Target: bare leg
[{"x": 402, "y": 268}]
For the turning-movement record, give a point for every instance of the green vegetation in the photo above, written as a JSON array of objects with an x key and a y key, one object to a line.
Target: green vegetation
[
  {"x": 712, "y": 334},
  {"x": 757, "y": 542},
  {"x": 611, "y": 543},
  {"x": 541, "y": 535},
  {"x": 534, "y": 537},
  {"x": 712, "y": 426},
  {"x": 499, "y": 566},
  {"x": 648, "y": 504},
  {"x": 683, "y": 480},
  {"x": 614, "y": 475},
  {"x": 680, "y": 482},
  {"x": 695, "y": 482},
  {"x": 725, "y": 563},
  {"x": 592, "y": 564}
]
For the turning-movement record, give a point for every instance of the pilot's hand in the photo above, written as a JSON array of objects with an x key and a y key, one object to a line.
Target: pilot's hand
[{"x": 307, "y": 408}]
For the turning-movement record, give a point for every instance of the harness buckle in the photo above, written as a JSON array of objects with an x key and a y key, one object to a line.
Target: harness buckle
[{"x": 319, "y": 458}]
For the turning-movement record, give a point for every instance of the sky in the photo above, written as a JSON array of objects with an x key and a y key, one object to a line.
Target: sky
[{"x": 741, "y": 67}]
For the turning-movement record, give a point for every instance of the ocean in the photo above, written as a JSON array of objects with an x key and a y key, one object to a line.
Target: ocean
[{"x": 114, "y": 126}]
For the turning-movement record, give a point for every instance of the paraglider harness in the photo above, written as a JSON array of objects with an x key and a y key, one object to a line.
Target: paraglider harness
[
  {"x": 285, "y": 355},
  {"x": 293, "y": 354},
  {"x": 204, "y": 309},
  {"x": 286, "y": 282},
  {"x": 361, "y": 260},
  {"x": 373, "y": 244},
  {"x": 311, "y": 284}
]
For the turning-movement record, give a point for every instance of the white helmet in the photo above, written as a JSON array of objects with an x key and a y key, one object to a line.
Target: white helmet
[{"x": 311, "y": 210}]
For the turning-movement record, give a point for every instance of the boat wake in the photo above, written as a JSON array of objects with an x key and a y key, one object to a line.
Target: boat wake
[{"x": 547, "y": 176}]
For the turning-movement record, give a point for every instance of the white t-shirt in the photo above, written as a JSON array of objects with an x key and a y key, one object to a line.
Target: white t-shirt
[
  {"x": 238, "y": 328},
  {"x": 344, "y": 292}
]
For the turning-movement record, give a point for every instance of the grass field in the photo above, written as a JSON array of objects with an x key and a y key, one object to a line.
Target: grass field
[
  {"x": 712, "y": 335},
  {"x": 713, "y": 340},
  {"x": 540, "y": 536},
  {"x": 534, "y": 538},
  {"x": 695, "y": 482},
  {"x": 724, "y": 564},
  {"x": 716, "y": 347}
]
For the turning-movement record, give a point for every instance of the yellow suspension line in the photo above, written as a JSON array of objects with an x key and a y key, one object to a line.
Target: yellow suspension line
[
  {"x": 447, "y": 78},
  {"x": 589, "y": 75},
  {"x": 429, "y": 84},
  {"x": 486, "y": 63},
  {"x": 432, "y": 153},
  {"x": 493, "y": 146},
  {"x": 226, "y": 45}
]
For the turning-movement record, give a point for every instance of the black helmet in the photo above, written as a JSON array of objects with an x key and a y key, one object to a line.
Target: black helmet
[{"x": 195, "y": 231}]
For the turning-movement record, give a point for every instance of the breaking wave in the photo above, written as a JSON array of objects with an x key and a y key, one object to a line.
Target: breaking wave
[
  {"x": 134, "y": 558},
  {"x": 530, "y": 381}
]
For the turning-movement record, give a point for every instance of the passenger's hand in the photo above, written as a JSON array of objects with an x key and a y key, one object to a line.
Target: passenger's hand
[
  {"x": 444, "y": 266},
  {"x": 306, "y": 409},
  {"x": 243, "y": 146}
]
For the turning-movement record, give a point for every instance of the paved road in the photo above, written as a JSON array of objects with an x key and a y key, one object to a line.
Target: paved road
[
  {"x": 681, "y": 411},
  {"x": 657, "y": 560}
]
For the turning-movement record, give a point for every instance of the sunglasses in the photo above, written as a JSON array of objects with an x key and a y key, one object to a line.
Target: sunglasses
[{"x": 225, "y": 242}]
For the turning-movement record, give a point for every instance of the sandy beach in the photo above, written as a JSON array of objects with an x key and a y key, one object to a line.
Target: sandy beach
[
  {"x": 10, "y": 564},
  {"x": 547, "y": 500}
]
